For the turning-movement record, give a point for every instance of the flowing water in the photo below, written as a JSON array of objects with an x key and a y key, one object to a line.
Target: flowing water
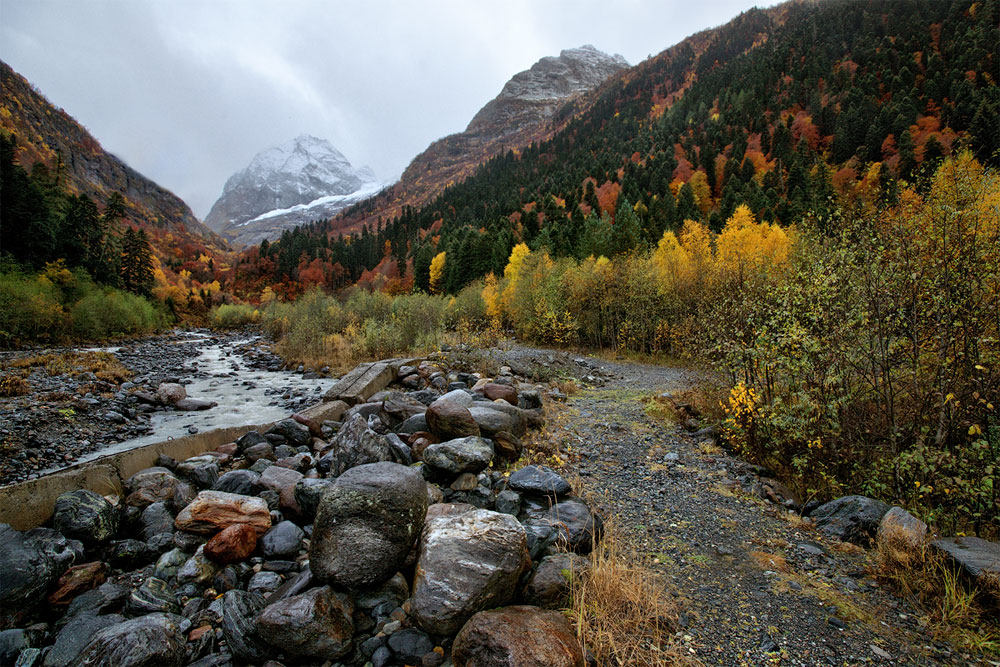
[{"x": 245, "y": 395}]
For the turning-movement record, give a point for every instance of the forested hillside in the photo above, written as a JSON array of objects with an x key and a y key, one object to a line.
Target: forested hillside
[
  {"x": 804, "y": 199},
  {"x": 65, "y": 197},
  {"x": 786, "y": 110}
]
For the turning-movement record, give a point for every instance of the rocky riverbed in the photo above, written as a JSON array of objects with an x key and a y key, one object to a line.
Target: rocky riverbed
[
  {"x": 80, "y": 402},
  {"x": 387, "y": 537}
]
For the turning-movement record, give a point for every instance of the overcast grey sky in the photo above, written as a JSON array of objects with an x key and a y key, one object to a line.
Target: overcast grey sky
[{"x": 187, "y": 91}]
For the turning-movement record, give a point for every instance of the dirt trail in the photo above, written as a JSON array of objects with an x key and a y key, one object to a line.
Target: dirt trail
[{"x": 756, "y": 585}]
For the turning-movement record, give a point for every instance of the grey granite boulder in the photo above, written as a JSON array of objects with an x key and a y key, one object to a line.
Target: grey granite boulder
[
  {"x": 467, "y": 562},
  {"x": 366, "y": 524},
  {"x": 850, "y": 519}
]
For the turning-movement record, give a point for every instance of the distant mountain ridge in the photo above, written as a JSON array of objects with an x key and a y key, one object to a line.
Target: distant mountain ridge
[
  {"x": 526, "y": 110},
  {"x": 47, "y": 134},
  {"x": 284, "y": 186}
]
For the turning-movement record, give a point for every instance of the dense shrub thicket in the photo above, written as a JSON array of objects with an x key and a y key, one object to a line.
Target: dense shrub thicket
[
  {"x": 320, "y": 329},
  {"x": 58, "y": 305},
  {"x": 861, "y": 361}
]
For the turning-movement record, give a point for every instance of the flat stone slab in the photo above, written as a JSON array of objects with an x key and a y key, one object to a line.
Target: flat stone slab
[
  {"x": 978, "y": 557},
  {"x": 366, "y": 380}
]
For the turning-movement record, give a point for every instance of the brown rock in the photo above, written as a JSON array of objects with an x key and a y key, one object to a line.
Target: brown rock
[
  {"x": 151, "y": 485},
  {"x": 507, "y": 446},
  {"x": 314, "y": 429},
  {"x": 232, "y": 544},
  {"x": 283, "y": 481},
  {"x": 420, "y": 441},
  {"x": 78, "y": 579},
  {"x": 451, "y": 420},
  {"x": 520, "y": 636},
  {"x": 229, "y": 448},
  {"x": 211, "y": 511},
  {"x": 465, "y": 482},
  {"x": 500, "y": 392},
  {"x": 315, "y": 624}
]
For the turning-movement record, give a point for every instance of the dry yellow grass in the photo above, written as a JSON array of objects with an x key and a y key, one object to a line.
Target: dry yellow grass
[
  {"x": 956, "y": 611},
  {"x": 102, "y": 364},
  {"x": 13, "y": 385},
  {"x": 767, "y": 561},
  {"x": 623, "y": 612}
]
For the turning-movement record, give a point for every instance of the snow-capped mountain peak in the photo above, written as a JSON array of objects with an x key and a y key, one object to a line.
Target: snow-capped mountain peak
[{"x": 301, "y": 180}]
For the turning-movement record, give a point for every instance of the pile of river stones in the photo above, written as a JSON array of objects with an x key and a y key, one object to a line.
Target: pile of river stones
[{"x": 387, "y": 538}]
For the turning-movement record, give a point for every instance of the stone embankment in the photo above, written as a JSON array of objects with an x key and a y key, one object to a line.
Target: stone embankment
[{"x": 373, "y": 529}]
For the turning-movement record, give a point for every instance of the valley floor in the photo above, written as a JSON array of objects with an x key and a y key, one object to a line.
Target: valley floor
[{"x": 756, "y": 585}]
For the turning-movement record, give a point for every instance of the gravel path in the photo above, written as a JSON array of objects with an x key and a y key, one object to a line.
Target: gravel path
[{"x": 756, "y": 584}]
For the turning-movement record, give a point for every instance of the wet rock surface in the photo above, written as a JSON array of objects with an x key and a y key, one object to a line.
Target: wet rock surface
[
  {"x": 302, "y": 544},
  {"x": 195, "y": 573}
]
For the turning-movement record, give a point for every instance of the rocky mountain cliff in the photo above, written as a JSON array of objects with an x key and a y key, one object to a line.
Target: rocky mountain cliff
[
  {"x": 285, "y": 186},
  {"x": 51, "y": 136},
  {"x": 534, "y": 96},
  {"x": 527, "y": 109}
]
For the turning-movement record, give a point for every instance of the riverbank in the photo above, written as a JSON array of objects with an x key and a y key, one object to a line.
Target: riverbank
[{"x": 81, "y": 401}]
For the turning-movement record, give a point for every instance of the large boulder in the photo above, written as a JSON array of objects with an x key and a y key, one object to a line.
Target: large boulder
[
  {"x": 155, "y": 520},
  {"x": 450, "y": 419},
  {"x": 75, "y": 635},
  {"x": 63, "y": 551},
  {"x": 900, "y": 525},
  {"x": 467, "y": 562},
  {"x": 492, "y": 421},
  {"x": 537, "y": 480},
  {"x": 355, "y": 444},
  {"x": 25, "y": 574},
  {"x": 154, "y": 640},
  {"x": 315, "y": 624},
  {"x": 518, "y": 420},
  {"x": 977, "y": 557},
  {"x": 211, "y": 511},
  {"x": 86, "y": 516},
  {"x": 520, "y": 636},
  {"x": 850, "y": 518},
  {"x": 241, "y": 482},
  {"x": 460, "y": 396},
  {"x": 366, "y": 524},
  {"x": 294, "y": 433},
  {"x": 472, "y": 454}
]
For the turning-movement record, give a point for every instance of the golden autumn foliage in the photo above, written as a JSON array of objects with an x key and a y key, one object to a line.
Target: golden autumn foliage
[
  {"x": 746, "y": 244},
  {"x": 867, "y": 355},
  {"x": 437, "y": 272}
]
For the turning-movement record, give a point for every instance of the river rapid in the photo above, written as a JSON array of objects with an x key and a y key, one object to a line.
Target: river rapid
[{"x": 74, "y": 416}]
